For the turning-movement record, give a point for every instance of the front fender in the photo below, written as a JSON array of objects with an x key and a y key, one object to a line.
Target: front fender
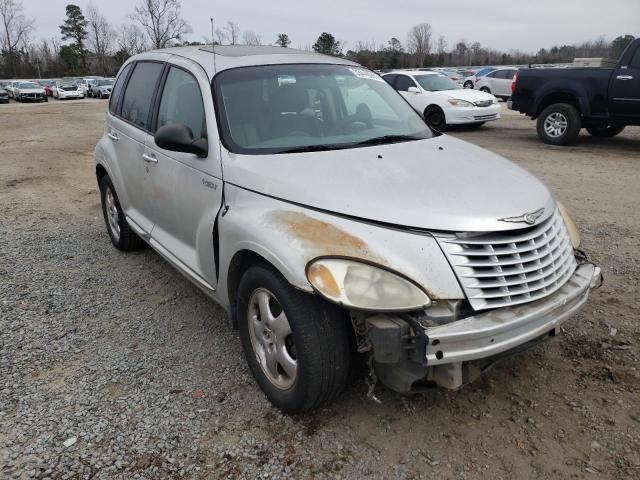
[{"x": 290, "y": 236}]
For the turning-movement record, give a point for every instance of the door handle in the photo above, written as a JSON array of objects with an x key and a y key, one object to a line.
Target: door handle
[
  {"x": 112, "y": 136},
  {"x": 149, "y": 158},
  {"x": 624, "y": 77}
]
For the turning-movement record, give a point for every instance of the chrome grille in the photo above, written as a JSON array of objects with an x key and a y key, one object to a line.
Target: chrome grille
[{"x": 507, "y": 268}]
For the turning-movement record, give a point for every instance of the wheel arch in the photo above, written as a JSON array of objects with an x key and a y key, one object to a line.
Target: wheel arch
[{"x": 554, "y": 93}]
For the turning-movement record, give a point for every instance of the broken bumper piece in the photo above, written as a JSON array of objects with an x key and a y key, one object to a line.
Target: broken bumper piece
[{"x": 458, "y": 352}]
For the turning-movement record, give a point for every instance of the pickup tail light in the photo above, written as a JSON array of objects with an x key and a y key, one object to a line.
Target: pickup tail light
[{"x": 513, "y": 84}]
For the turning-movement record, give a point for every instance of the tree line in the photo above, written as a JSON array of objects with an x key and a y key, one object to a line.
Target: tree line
[{"x": 90, "y": 45}]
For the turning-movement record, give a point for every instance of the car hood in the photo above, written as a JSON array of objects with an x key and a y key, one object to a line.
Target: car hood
[
  {"x": 468, "y": 94},
  {"x": 440, "y": 184}
]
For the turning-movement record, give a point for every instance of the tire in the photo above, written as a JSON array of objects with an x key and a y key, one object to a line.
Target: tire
[
  {"x": 559, "y": 124},
  {"x": 485, "y": 90},
  {"x": 605, "y": 131},
  {"x": 125, "y": 239},
  {"x": 435, "y": 118},
  {"x": 317, "y": 340},
  {"x": 468, "y": 85}
]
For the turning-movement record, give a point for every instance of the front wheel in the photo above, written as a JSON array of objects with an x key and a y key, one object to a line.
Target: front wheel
[
  {"x": 606, "y": 131},
  {"x": 435, "y": 118},
  {"x": 485, "y": 90},
  {"x": 468, "y": 84},
  {"x": 559, "y": 124},
  {"x": 296, "y": 344}
]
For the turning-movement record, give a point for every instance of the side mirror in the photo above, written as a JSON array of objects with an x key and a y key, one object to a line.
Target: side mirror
[
  {"x": 413, "y": 90},
  {"x": 179, "y": 138}
]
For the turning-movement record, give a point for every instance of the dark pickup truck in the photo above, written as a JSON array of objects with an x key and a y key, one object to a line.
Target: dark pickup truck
[{"x": 564, "y": 100}]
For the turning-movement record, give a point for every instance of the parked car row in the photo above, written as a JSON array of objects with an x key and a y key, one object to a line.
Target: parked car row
[{"x": 64, "y": 88}]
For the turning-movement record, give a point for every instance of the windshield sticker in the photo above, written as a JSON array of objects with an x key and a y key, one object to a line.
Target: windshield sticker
[{"x": 364, "y": 73}]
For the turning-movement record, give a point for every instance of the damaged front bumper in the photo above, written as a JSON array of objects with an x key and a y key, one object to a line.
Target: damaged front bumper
[{"x": 456, "y": 353}]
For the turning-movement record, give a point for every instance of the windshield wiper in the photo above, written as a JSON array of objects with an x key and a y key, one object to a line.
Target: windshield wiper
[
  {"x": 388, "y": 139},
  {"x": 308, "y": 148}
]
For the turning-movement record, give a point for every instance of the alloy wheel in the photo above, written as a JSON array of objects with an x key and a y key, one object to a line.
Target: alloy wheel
[
  {"x": 112, "y": 214},
  {"x": 271, "y": 339},
  {"x": 555, "y": 125}
]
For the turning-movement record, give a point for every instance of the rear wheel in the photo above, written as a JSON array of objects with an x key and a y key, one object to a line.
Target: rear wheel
[
  {"x": 296, "y": 344},
  {"x": 485, "y": 89},
  {"x": 606, "y": 131},
  {"x": 559, "y": 124},
  {"x": 435, "y": 118},
  {"x": 121, "y": 234},
  {"x": 468, "y": 84}
]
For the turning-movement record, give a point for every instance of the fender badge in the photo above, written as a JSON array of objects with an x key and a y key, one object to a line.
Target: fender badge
[{"x": 528, "y": 218}]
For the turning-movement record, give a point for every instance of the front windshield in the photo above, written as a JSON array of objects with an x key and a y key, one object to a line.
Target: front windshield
[
  {"x": 306, "y": 107},
  {"x": 436, "y": 83},
  {"x": 103, "y": 83},
  {"x": 28, "y": 85}
]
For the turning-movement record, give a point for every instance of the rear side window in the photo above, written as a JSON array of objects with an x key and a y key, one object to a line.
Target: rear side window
[
  {"x": 635, "y": 60},
  {"x": 117, "y": 88},
  {"x": 136, "y": 103},
  {"x": 181, "y": 103},
  {"x": 403, "y": 83},
  {"x": 510, "y": 74},
  {"x": 390, "y": 79}
]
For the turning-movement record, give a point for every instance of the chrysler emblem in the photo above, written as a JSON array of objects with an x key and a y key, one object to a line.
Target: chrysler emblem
[{"x": 528, "y": 218}]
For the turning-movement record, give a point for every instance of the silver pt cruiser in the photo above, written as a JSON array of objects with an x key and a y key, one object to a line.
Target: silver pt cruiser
[{"x": 307, "y": 197}]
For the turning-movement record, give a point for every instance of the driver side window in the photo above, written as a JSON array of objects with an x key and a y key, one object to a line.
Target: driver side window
[{"x": 181, "y": 103}]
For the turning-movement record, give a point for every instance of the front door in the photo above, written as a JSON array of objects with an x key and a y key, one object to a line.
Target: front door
[
  {"x": 186, "y": 189},
  {"x": 625, "y": 88}
]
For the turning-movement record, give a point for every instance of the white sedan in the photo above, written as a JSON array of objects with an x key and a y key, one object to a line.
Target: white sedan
[
  {"x": 441, "y": 101},
  {"x": 66, "y": 90}
]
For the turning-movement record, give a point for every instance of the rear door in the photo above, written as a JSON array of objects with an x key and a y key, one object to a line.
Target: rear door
[
  {"x": 185, "y": 188},
  {"x": 625, "y": 88},
  {"x": 128, "y": 129}
]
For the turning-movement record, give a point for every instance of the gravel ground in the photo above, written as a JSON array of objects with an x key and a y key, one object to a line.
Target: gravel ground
[{"x": 114, "y": 366}]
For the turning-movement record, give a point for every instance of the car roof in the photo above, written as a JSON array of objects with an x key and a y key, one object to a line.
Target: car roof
[{"x": 232, "y": 56}]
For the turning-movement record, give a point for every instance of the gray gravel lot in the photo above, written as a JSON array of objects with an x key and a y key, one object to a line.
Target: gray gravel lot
[{"x": 114, "y": 366}]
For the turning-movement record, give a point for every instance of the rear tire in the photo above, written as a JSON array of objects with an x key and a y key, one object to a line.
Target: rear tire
[
  {"x": 485, "y": 90},
  {"x": 468, "y": 84},
  {"x": 605, "y": 131},
  {"x": 435, "y": 118},
  {"x": 120, "y": 233},
  {"x": 559, "y": 124},
  {"x": 296, "y": 344}
]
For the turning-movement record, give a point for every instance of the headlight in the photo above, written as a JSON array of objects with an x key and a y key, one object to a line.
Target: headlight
[
  {"x": 460, "y": 103},
  {"x": 359, "y": 285},
  {"x": 574, "y": 232}
]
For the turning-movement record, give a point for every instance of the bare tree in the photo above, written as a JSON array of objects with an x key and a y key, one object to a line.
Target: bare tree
[
  {"x": 232, "y": 31},
  {"x": 16, "y": 31},
  {"x": 131, "y": 39},
  {"x": 249, "y": 37},
  {"x": 161, "y": 21},
  {"x": 441, "y": 45},
  {"x": 99, "y": 38},
  {"x": 219, "y": 36},
  {"x": 419, "y": 42}
]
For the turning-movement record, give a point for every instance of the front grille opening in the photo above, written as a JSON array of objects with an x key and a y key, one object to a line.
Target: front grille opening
[{"x": 517, "y": 266}]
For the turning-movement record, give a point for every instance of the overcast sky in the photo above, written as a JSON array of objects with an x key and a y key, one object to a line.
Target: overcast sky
[{"x": 503, "y": 24}]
